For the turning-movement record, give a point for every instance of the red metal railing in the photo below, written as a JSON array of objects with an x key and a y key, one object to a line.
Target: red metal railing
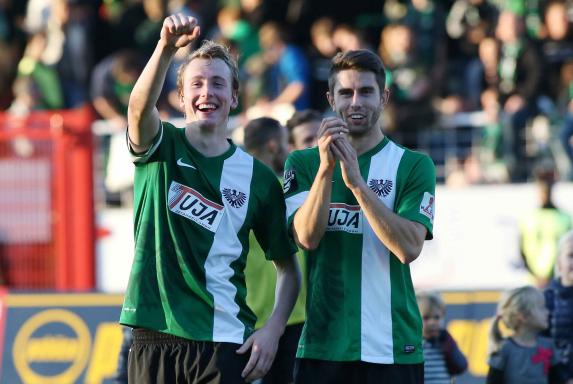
[{"x": 46, "y": 200}]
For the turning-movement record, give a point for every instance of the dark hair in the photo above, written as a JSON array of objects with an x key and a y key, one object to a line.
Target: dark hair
[
  {"x": 302, "y": 117},
  {"x": 360, "y": 60},
  {"x": 260, "y": 131},
  {"x": 210, "y": 50}
]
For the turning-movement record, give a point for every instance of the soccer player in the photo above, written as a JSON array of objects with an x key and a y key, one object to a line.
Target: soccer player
[
  {"x": 361, "y": 206},
  {"x": 197, "y": 197}
]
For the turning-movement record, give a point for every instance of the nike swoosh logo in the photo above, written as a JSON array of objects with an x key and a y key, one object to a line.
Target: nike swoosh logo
[{"x": 182, "y": 164}]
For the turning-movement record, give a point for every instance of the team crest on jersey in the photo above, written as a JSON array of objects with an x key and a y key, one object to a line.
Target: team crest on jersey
[
  {"x": 235, "y": 198},
  {"x": 289, "y": 180},
  {"x": 381, "y": 187},
  {"x": 344, "y": 217},
  {"x": 427, "y": 206},
  {"x": 189, "y": 203}
]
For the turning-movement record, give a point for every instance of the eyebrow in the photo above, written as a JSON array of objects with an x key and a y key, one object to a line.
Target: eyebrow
[
  {"x": 364, "y": 88},
  {"x": 216, "y": 77}
]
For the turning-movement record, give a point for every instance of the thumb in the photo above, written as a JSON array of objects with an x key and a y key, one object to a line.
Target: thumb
[{"x": 246, "y": 346}]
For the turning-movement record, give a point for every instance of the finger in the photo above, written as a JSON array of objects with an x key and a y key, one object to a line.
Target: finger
[
  {"x": 245, "y": 347},
  {"x": 255, "y": 352},
  {"x": 329, "y": 123},
  {"x": 337, "y": 152}
]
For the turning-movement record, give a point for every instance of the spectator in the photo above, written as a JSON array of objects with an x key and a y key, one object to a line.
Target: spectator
[
  {"x": 541, "y": 229},
  {"x": 520, "y": 73},
  {"x": 442, "y": 356},
  {"x": 322, "y": 50},
  {"x": 266, "y": 140},
  {"x": 410, "y": 110},
  {"x": 303, "y": 129},
  {"x": 287, "y": 75},
  {"x": 524, "y": 356},
  {"x": 559, "y": 302}
]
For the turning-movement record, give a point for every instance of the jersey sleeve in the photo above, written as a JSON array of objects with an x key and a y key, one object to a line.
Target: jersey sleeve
[
  {"x": 417, "y": 200},
  {"x": 144, "y": 157},
  {"x": 270, "y": 229},
  {"x": 296, "y": 184}
]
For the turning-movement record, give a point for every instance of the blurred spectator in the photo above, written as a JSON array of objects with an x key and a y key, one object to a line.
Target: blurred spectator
[
  {"x": 303, "y": 129},
  {"x": 348, "y": 38},
  {"x": 467, "y": 24},
  {"x": 541, "y": 229},
  {"x": 322, "y": 50},
  {"x": 112, "y": 82},
  {"x": 37, "y": 85},
  {"x": 566, "y": 134},
  {"x": 483, "y": 73},
  {"x": 443, "y": 359},
  {"x": 520, "y": 71},
  {"x": 233, "y": 27},
  {"x": 410, "y": 109},
  {"x": 286, "y": 76},
  {"x": 559, "y": 303},
  {"x": 557, "y": 48}
]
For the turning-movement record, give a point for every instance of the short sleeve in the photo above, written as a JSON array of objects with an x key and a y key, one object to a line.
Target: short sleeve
[
  {"x": 497, "y": 360},
  {"x": 145, "y": 156},
  {"x": 417, "y": 202},
  {"x": 296, "y": 183},
  {"x": 271, "y": 229}
]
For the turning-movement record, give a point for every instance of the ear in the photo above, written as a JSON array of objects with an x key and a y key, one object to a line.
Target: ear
[
  {"x": 234, "y": 99},
  {"x": 330, "y": 100},
  {"x": 385, "y": 96}
]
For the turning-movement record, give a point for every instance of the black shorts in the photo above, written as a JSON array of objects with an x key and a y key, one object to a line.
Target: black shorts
[
  {"x": 311, "y": 371},
  {"x": 157, "y": 357}
]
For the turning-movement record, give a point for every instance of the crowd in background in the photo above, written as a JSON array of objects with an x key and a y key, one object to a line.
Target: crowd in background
[{"x": 499, "y": 70}]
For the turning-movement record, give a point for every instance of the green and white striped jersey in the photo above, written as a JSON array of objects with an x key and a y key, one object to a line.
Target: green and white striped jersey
[
  {"x": 360, "y": 302},
  {"x": 193, "y": 215}
]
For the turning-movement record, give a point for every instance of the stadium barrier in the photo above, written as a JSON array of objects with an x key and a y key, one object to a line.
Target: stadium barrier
[
  {"x": 46, "y": 200},
  {"x": 75, "y": 338}
]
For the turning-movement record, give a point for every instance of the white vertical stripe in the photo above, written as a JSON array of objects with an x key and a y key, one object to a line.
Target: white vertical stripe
[
  {"x": 294, "y": 202},
  {"x": 226, "y": 248},
  {"x": 376, "y": 308}
]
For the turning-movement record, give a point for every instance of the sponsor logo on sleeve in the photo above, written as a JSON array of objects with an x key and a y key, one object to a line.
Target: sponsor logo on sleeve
[
  {"x": 235, "y": 198},
  {"x": 381, "y": 187},
  {"x": 289, "y": 181},
  {"x": 344, "y": 217},
  {"x": 189, "y": 203},
  {"x": 427, "y": 206}
]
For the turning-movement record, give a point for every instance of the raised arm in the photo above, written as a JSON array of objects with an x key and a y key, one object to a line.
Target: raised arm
[
  {"x": 142, "y": 116},
  {"x": 310, "y": 220}
]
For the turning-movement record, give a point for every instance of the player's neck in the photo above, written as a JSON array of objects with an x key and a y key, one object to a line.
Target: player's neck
[
  {"x": 210, "y": 142},
  {"x": 367, "y": 141}
]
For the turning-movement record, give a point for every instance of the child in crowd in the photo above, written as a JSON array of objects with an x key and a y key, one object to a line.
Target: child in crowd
[
  {"x": 442, "y": 357},
  {"x": 559, "y": 302},
  {"x": 525, "y": 356}
]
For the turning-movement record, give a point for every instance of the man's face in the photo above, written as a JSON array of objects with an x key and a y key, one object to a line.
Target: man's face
[
  {"x": 304, "y": 135},
  {"x": 208, "y": 94},
  {"x": 357, "y": 100}
]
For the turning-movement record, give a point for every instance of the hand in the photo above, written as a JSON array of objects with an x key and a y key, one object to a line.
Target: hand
[
  {"x": 330, "y": 130},
  {"x": 179, "y": 30},
  {"x": 263, "y": 345},
  {"x": 345, "y": 152}
]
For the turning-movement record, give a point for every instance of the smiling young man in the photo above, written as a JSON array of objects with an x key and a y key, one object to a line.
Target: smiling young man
[
  {"x": 361, "y": 206},
  {"x": 197, "y": 197}
]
